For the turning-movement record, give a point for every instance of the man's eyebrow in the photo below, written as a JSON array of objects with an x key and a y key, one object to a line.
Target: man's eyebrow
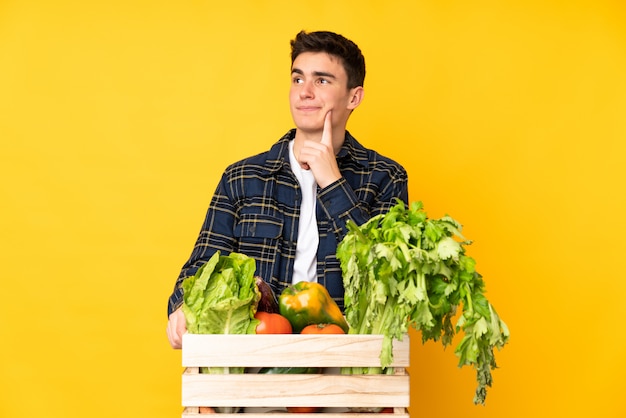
[
  {"x": 315, "y": 73},
  {"x": 324, "y": 74}
]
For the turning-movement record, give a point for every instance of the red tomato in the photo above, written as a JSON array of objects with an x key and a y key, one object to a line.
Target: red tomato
[
  {"x": 302, "y": 409},
  {"x": 206, "y": 410},
  {"x": 322, "y": 329},
  {"x": 272, "y": 323}
]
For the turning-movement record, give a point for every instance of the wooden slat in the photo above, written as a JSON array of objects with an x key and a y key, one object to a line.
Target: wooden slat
[
  {"x": 296, "y": 350},
  {"x": 190, "y": 413},
  {"x": 334, "y": 392},
  {"x": 255, "y": 390}
]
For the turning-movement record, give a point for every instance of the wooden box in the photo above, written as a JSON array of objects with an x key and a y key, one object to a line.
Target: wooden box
[{"x": 268, "y": 395}]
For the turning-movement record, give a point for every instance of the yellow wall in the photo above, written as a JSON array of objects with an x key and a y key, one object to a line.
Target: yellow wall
[{"x": 117, "y": 117}]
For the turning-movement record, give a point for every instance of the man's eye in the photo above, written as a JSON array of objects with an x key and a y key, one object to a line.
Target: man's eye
[
  {"x": 297, "y": 80},
  {"x": 323, "y": 81}
]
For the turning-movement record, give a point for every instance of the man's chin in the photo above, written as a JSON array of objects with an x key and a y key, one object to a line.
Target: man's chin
[{"x": 310, "y": 129}]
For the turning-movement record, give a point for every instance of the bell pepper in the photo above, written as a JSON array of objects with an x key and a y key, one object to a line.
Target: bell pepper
[{"x": 306, "y": 303}]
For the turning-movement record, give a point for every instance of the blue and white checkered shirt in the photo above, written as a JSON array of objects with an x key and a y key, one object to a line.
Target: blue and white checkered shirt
[{"x": 255, "y": 211}]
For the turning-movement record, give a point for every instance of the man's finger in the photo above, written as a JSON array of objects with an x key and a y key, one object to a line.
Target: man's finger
[{"x": 327, "y": 135}]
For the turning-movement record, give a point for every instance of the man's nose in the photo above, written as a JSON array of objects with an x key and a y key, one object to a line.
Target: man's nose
[{"x": 306, "y": 90}]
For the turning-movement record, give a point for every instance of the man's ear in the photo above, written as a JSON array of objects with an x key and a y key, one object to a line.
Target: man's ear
[{"x": 356, "y": 97}]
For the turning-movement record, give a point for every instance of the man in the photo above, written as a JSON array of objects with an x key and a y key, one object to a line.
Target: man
[{"x": 287, "y": 208}]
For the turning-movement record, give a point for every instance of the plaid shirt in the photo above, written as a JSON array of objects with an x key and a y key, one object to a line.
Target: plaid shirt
[{"x": 255, "y": 211}]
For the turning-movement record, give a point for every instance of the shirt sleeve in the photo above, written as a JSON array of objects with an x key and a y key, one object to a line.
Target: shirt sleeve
[
  {"x": 216, "y": 234},
  {"x": 340, "y": 202}
]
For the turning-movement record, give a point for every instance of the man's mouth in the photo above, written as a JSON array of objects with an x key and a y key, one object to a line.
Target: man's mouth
[{"x": 308, "y": 108}]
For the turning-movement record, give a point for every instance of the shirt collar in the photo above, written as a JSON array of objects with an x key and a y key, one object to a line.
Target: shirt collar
[{"x": 353, "y": 150}]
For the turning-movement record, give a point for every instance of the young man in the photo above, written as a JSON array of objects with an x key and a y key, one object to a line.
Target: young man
[{"x": 287, "y": 208}]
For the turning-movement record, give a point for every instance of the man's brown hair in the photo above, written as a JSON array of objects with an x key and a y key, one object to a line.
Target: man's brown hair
[{"x": 335, "y": 45}]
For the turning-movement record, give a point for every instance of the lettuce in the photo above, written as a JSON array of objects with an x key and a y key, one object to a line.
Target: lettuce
[{"x": 221, "y": 298}]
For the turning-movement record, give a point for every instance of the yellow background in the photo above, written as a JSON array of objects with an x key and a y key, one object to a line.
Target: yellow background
[{"x": 117, "y": 117}]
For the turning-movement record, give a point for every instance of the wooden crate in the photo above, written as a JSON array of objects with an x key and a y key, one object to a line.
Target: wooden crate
[{"x": 334, "y": 392}]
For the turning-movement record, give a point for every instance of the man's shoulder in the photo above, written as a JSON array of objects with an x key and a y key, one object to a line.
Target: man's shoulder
[
  {"x": 269, "y": 160},
  {"x": 371, "y": 157}
]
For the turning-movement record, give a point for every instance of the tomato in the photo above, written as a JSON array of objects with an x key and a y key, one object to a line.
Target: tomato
[
  {"x": 322, "y": 329},
  {"x": 206, "y": 410},
  {"x": 302, "y": 409},
  {"x": 272, "y": 323},
  {"x": 387, "y": 411}
]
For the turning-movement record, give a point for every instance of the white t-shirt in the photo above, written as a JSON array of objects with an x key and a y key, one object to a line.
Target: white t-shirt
[{"x": 305, "y": 265}]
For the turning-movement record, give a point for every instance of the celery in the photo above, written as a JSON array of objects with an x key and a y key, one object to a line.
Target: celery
[{"x": 402, "y": 270}]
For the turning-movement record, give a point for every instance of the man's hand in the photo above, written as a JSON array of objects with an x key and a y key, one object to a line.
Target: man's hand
[
  {"x": 176, "y": 327},
  {"x": 319, "y": 157}
]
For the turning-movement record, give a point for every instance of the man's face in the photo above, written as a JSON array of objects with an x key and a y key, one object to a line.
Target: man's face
[{"x": 319, "y": 84}]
